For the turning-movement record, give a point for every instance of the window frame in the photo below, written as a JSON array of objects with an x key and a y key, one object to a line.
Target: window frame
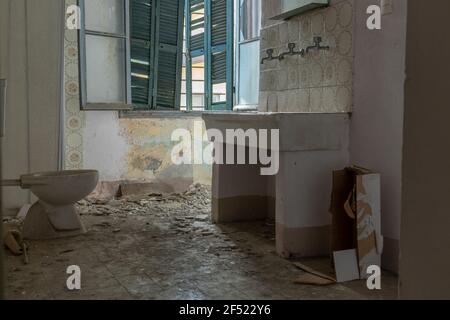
[
  {"x": 208, "y": 50},
  {"x": 237, "y": 51},
  {"x": 82, "y": 32},
  {"x": 126, "y": 108}
]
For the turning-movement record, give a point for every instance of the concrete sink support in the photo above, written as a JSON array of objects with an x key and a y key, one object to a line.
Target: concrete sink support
[{"x": 298, "y": 196}]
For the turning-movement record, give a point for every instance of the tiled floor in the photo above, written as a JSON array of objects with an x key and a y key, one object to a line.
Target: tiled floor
[{"x": 166, "y": 248}]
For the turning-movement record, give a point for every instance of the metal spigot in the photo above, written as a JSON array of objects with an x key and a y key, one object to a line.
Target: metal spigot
[
  {"x": 269, "y": 56},
  {"x": 291, "y": 52},
  {"x": 317, "y": 41}
]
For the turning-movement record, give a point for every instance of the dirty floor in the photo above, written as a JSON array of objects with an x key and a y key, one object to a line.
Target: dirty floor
[{"x": 165, "y": 247}]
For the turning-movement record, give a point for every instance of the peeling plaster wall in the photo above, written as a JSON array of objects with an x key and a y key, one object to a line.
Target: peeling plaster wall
[
  {"x": 139, "y": 149},
  {"x": 123, "y": 149},
  {"x": 320, "y": 81}
]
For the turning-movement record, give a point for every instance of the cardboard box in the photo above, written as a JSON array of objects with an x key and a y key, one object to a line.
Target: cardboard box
[
  {"x": 356, "y": 241},
  {"x": 356, "y": 221}
]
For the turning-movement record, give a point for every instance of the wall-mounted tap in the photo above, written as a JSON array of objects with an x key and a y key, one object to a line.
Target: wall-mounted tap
[
  {"x": 317, "y": 46},
  {"x": 291, "y": 52},
  {"x": 269, "y": 56}
]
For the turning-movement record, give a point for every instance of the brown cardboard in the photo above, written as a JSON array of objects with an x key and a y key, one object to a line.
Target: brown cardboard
[
  {"x": 355, "y": 209},
  {"x": 312, "y": 279},
  {"x": 312, "y": 276},
  {"x": 356, "y": 241}
]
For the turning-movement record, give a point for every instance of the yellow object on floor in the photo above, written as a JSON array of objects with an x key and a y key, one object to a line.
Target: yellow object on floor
[{"x": 12, "y": 238}]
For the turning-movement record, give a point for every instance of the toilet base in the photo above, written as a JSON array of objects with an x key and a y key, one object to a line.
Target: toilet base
[{"x": 44, "y": 221}]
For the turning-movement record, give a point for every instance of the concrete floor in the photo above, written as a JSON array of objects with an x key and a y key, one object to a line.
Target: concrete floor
[{"x": 166, "y": 248}]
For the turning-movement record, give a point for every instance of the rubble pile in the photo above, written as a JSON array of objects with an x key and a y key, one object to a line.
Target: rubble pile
[{"x": 186, "y": 212}]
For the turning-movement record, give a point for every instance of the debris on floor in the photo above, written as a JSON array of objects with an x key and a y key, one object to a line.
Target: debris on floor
[
  {"x": 312, "y": 276},
  {"x": 13, "y": 241},
  {"x": 162, "y": 246},
  {"x": 188, "y": 211}
]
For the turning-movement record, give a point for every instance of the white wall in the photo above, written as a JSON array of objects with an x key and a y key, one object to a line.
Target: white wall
[
  {"x": 104, "y": 147},
  {"x": 31, "y": 56},
  {"x": 15, "y": 145},
  {"x": 377, "y": 120}
]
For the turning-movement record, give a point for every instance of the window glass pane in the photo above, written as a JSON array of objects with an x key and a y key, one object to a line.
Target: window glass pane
[
  {"x": 105, "y": 69},
  {"x": 248, "y": 73},
  {"x": 250, "y": 19},
  {"x": 219, "y": 92},
  {"x": 198, "y": 101},
  {"x": 105, "y": 16}
]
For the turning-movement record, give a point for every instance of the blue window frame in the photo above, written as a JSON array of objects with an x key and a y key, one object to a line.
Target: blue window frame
[
  {"x": 209, "y": 34},
  {"x": 156, "y": 53},
  {"x": 131, "y": 53}
]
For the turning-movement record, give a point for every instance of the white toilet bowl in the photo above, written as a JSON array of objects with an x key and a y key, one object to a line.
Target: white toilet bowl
[{"x": 54, "y": 214}]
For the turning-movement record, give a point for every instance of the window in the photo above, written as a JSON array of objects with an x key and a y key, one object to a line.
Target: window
[
  {"x": 156, "y": 53},
  {"x": 249, "y": 19},
  {"x": 105, "y": 58},
  {"x": 131, "y": 54},
  {"x": 247, "y": 53},
  {"x": 209, "y": 49}
]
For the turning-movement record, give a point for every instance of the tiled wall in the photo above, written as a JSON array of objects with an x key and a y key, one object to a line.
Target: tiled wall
[
  {"x": 74, "y": 118},
  {"x": 320, "y": 81}
]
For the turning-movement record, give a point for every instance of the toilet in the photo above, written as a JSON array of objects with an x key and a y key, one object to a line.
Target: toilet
[{"x": 54, "y": 214}]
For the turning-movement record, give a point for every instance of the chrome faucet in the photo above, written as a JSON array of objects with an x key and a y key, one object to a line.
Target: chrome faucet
[
  {"x": 317, "y": 46},
  {"x": 291, "y": 52}
]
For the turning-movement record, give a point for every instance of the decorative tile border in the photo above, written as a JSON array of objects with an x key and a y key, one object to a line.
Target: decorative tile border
[{"x": 74, "y": 118}]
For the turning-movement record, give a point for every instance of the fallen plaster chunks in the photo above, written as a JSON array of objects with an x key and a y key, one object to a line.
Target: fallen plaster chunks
[{"x": 188, "y": 212}]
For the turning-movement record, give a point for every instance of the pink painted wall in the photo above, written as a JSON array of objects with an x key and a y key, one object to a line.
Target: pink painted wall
[{"x": 376, "y": 135}]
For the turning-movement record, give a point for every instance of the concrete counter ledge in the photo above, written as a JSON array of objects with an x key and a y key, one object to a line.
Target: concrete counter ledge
[{"x": 297, "y": 197}]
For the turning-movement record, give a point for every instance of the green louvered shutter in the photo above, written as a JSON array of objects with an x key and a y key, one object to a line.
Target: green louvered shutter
[
  {"x": 195, "y": 40},
  {"x": 220, "y": 52},
  {"x": 215, "y": 41},
  {"x": 168, "y": 54},
  {"x": 219, "y": 41},
  {"x": 141, "y": 52},
  {"x": 156, "y": 53}
]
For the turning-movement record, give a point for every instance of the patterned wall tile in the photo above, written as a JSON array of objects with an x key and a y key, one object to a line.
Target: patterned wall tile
[{"x": 322, "y": 81}]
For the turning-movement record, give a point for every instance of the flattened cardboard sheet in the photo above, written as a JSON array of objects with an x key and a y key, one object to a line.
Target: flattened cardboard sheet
[{"x": 346, "y": 265}]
